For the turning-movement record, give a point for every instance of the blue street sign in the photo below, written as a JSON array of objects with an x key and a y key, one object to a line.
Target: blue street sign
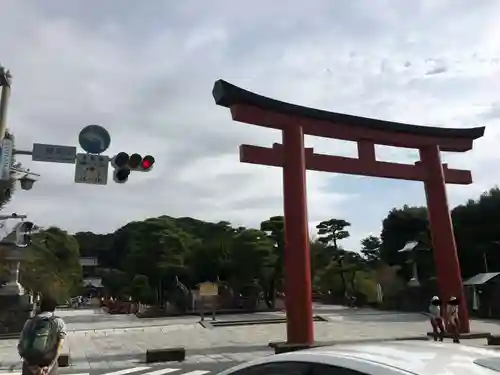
[{"x": 94, "y": 139}]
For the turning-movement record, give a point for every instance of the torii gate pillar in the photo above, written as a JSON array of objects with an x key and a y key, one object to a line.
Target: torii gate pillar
[
  {"x": 297, "y": 267},
  {"x": 443, "y": 240}
]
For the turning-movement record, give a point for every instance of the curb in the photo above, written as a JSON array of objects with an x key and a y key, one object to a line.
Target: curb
[
  {"x": 9, "y": 336},
  {"x": 273, "y": 345},
  {"x": 466, "y": 336},
  {"x": 249, "y": 322}
]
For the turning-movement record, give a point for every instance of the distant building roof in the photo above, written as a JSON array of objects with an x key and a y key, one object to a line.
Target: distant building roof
[
  {"x": 414, "y": 245},
  {"x": 88, "y": 261},
  {"x": 481, "y": 278}
]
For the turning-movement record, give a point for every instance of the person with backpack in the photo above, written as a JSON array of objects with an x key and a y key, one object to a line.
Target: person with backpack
[{"x": 41, "y": 340}]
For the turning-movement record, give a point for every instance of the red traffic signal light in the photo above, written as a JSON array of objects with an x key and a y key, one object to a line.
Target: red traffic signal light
[{"x": 147, "y": 162}]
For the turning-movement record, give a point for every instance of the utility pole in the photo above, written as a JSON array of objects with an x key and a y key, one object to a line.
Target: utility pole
[{"x": 5, "y": 83}]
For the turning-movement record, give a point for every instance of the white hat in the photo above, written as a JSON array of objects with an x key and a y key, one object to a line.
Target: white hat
[{"x": 435, "y": 298}]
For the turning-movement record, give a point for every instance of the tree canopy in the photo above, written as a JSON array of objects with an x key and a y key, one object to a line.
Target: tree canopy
[
  {"x": 143, "y": 259},
  {"x": 51, "y": 264}
]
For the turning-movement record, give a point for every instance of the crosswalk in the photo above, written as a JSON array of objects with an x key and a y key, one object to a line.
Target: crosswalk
[{"x": 141, "y": 370}]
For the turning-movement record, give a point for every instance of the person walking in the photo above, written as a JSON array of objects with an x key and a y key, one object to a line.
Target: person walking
[
  {"x": 436, "y": 319},
  {"x": 452, "y": 318},
  {"x": 41, "y": 340}
]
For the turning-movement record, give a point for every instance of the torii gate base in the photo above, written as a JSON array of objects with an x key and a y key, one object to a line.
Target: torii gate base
[{"x": 295, "y": 121}]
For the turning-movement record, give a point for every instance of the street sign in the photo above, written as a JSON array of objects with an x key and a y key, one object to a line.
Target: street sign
[
  {"x": 53, "y": 153},
  {"x": 208, "y": 289},
  {"x": 6, "y": 158},
  {"x": 94, "y": 139},
  {"x": 91, "y": 169}
]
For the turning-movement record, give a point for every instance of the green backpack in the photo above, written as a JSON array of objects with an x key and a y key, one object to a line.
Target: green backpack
[{"x": 38, "y": 346}]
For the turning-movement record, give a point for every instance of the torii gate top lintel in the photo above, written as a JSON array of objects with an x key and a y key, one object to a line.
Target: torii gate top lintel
[{"x": 255, "y": 109}]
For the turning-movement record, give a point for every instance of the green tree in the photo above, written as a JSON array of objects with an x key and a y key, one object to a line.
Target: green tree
[
  {"x": 115, "y": 281},
  {"x": 208, "y": 259},
  {"x": 370, "y": 248},
  {"x": 399, "y": 227},
  {"x": 330, "y": 232},
  {"x": 320, "y": 259},
  {"x": 249, "y": 258},
  {"x": 274, "y": 228},
  {"x": 140, "y": 290},
  {"x": 52, "y": 264},
  {"x": 476, "y": 226},
  {"x": 159, "y": 255}
]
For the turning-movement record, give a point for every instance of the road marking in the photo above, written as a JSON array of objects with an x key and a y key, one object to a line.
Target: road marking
[
  {"x": 162, "y": 371},
  {"x": 196, "y": 372},
  {"x": 127, "y": 371},
  {"x": 10, "y": 373}
]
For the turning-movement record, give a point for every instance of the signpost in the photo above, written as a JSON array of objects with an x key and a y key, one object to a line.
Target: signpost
[
  {"x": 94, "y": 139},
  {"x": 207, "y": 292},
  {"x": 91, "y": 169},
  {"x": 53, "y": 153},
  {"x": 6, "y": 159}
]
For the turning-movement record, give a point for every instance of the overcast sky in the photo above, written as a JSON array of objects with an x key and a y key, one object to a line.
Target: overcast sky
[{"x": 145, "y": 71}]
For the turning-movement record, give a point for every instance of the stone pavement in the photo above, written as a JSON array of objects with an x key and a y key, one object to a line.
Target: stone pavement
[
  {"x": 111, "y": 346},
  {"x": 95, "y": 319}
]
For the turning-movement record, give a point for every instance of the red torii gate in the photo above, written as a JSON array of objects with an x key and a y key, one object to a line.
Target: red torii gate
[{"x": 294, "y": 158}]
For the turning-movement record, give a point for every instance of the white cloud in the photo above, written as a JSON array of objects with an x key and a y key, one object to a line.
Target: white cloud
[{"x": 145, "y": 71}]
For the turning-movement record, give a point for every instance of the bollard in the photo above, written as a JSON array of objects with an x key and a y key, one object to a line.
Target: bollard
[
  {"x": 63, "y": 360},
  {"x": 165, "y": 355}
]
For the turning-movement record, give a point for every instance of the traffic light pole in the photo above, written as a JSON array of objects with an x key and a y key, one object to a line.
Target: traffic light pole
[
  {"x": 91, "y": 169},
  {"x": 5, "y": 83}
]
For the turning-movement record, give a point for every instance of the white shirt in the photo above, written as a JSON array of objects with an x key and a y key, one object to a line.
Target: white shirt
[{"x": 435, "y": 311}]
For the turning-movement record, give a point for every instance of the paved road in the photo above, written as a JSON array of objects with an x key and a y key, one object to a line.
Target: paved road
[{"x": 139, "y": 369}]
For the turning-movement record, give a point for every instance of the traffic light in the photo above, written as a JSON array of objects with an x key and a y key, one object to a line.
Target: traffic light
[
  {"x": 124, "y": 164},
  {"x": 23, "y": 233}
]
